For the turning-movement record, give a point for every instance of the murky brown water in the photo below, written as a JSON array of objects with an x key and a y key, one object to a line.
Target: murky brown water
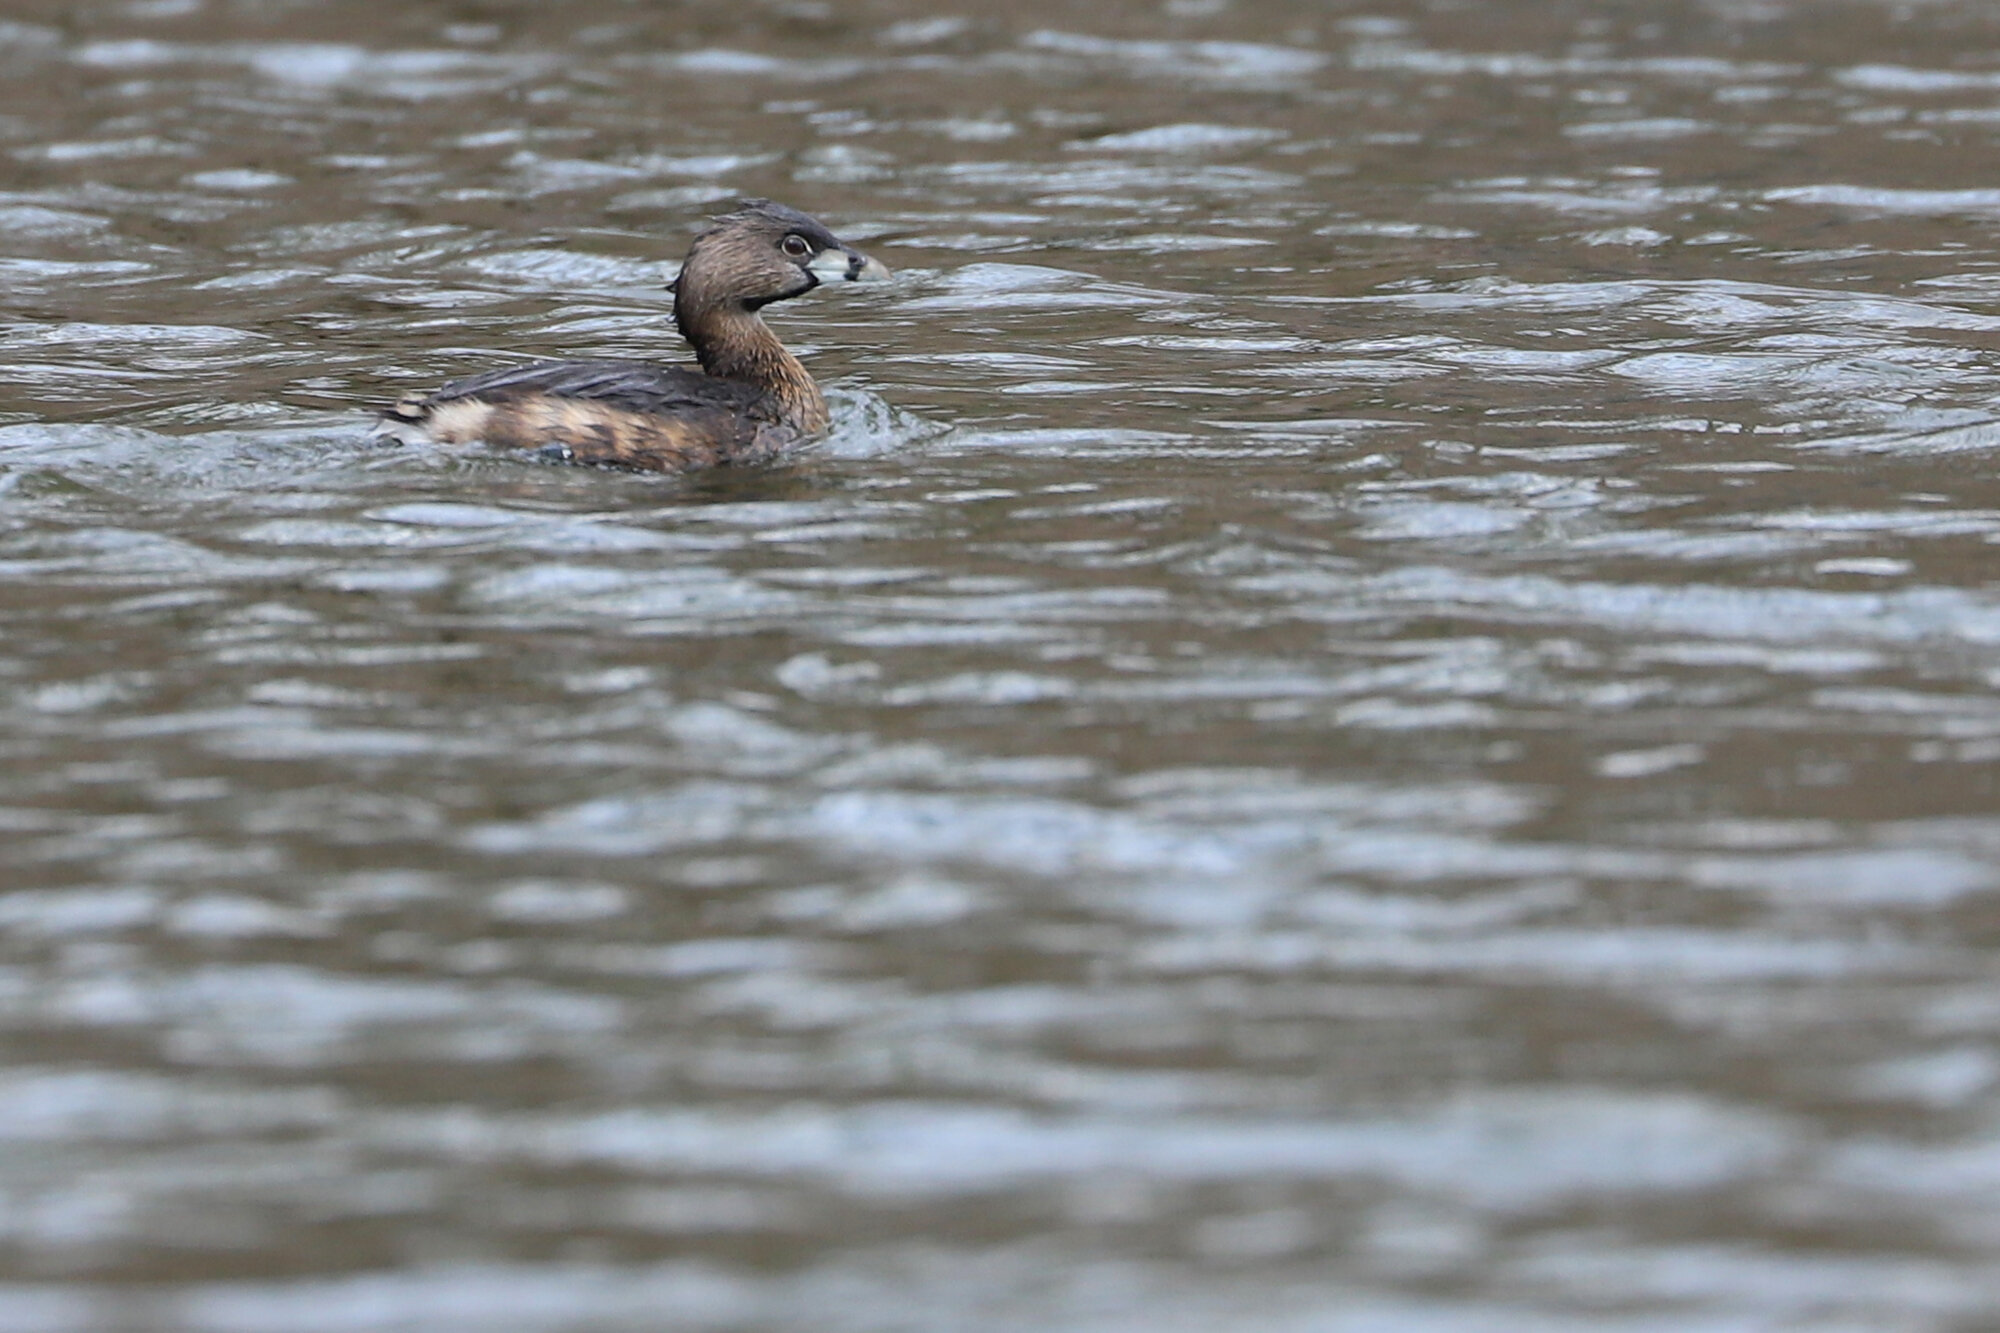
[{"x": 1379, "y": 716}]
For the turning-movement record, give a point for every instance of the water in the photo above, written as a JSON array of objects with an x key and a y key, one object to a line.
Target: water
[{"x": 1379, "y": 713}]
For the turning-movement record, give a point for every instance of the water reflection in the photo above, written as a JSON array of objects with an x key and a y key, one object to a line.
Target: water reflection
[{"x": 1376, "y": 714}]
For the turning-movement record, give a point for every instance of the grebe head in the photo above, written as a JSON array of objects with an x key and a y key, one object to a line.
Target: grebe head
[{"x": 765, "y": 252}]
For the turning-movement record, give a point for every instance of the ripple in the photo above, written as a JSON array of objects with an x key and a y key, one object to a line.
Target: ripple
[
  {"x": 325, "y": 65},
  {"x": 1879, "y": 200},
  {"x": 1653, "y": 127},
  {"x": 559, "y": 270},
  {"x": 1184, "y": 137},
  {"x": 38, "y": 223},
  {"x": 1903, "y": 79},
  {"x": 1222, "y": 61}
]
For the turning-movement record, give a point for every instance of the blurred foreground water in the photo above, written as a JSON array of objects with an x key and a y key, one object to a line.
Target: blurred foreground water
[{"x": 1379, "y": 715}]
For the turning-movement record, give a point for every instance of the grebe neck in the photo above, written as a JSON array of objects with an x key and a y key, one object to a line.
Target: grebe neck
[{"x": 735, "y": 343}]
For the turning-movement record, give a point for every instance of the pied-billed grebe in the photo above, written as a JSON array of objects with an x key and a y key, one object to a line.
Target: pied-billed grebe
[{"x": 750, "y": 400}]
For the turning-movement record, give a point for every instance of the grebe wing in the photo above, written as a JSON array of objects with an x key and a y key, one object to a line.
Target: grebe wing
[{"x": 631, "y": 386}]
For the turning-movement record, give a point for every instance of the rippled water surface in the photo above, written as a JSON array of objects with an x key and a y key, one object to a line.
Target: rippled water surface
[{"x": 1378, "y": 715}]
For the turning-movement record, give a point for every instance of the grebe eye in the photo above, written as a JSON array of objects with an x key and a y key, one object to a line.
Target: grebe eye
[{"x": 798, "y": 247}]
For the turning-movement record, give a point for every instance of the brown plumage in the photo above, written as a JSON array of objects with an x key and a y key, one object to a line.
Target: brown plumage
[{"x": 750, "y": 400}]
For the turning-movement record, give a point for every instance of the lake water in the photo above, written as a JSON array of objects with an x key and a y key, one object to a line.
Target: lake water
[{"x": 1379, "y": 714}]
